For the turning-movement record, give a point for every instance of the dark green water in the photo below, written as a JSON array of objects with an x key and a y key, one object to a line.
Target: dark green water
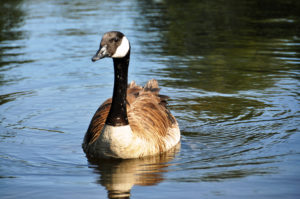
[{"x": 231, "y": 69}]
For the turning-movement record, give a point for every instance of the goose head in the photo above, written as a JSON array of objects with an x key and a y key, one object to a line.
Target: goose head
[{"x": 114, "y": 44}]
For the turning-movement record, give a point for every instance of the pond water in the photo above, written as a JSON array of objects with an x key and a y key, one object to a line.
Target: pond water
[{"x": 230, "y": 67}]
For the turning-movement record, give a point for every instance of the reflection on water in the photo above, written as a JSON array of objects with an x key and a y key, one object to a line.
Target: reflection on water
[
  {"x": 230, "y": 67},
  {"x": 11, "y": 18},
  {"x": 222, "y": 48},
  {"x": 119, "y": 176}
]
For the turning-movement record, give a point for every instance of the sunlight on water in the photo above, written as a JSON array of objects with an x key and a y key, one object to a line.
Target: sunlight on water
[{"x": 231, "y": 70}]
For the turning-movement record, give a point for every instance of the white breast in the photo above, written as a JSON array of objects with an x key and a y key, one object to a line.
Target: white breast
[{"x": 121, "y": 142}]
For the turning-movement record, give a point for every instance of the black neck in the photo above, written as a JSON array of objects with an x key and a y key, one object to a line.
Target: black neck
[{"x": 117, "y": 115}]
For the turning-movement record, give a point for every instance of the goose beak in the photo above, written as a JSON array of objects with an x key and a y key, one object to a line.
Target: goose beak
[{"x": 101, "y": 53}]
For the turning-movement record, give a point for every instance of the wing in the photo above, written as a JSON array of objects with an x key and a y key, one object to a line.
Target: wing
[
  {"x": 149, "y": 116},
  {"x": 97, "y": 122}
]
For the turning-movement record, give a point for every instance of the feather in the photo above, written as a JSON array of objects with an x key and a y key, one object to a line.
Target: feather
[{"x": 147, "y": 112}]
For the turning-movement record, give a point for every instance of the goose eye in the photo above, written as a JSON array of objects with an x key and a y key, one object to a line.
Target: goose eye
[{"x": 116, "y": 39}]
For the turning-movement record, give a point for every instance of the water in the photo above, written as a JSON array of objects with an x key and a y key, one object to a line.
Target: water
[{"x": 231, "y": 69}]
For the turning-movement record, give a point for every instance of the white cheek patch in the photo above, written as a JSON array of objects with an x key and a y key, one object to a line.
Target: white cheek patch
[{"x": 123, "y": 49}]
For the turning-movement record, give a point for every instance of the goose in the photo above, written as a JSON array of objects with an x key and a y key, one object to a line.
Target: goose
[{"x": 135, "y": 122}]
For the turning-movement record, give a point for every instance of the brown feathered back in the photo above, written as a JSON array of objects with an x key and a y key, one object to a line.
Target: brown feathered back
[{"x": 147, "y": 113}]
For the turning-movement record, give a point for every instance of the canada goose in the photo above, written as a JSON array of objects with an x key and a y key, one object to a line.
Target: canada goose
[{"x": 135, "y": 122}]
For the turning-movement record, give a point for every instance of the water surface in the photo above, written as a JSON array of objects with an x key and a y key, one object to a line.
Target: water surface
[{"x": 231, "y": 69}]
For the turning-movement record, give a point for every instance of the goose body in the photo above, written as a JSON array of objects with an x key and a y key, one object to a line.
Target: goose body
[{"x": 135, "y": 122}]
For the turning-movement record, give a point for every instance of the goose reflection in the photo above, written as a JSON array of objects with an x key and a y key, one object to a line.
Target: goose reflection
[{"x": 119, "y": 176}]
